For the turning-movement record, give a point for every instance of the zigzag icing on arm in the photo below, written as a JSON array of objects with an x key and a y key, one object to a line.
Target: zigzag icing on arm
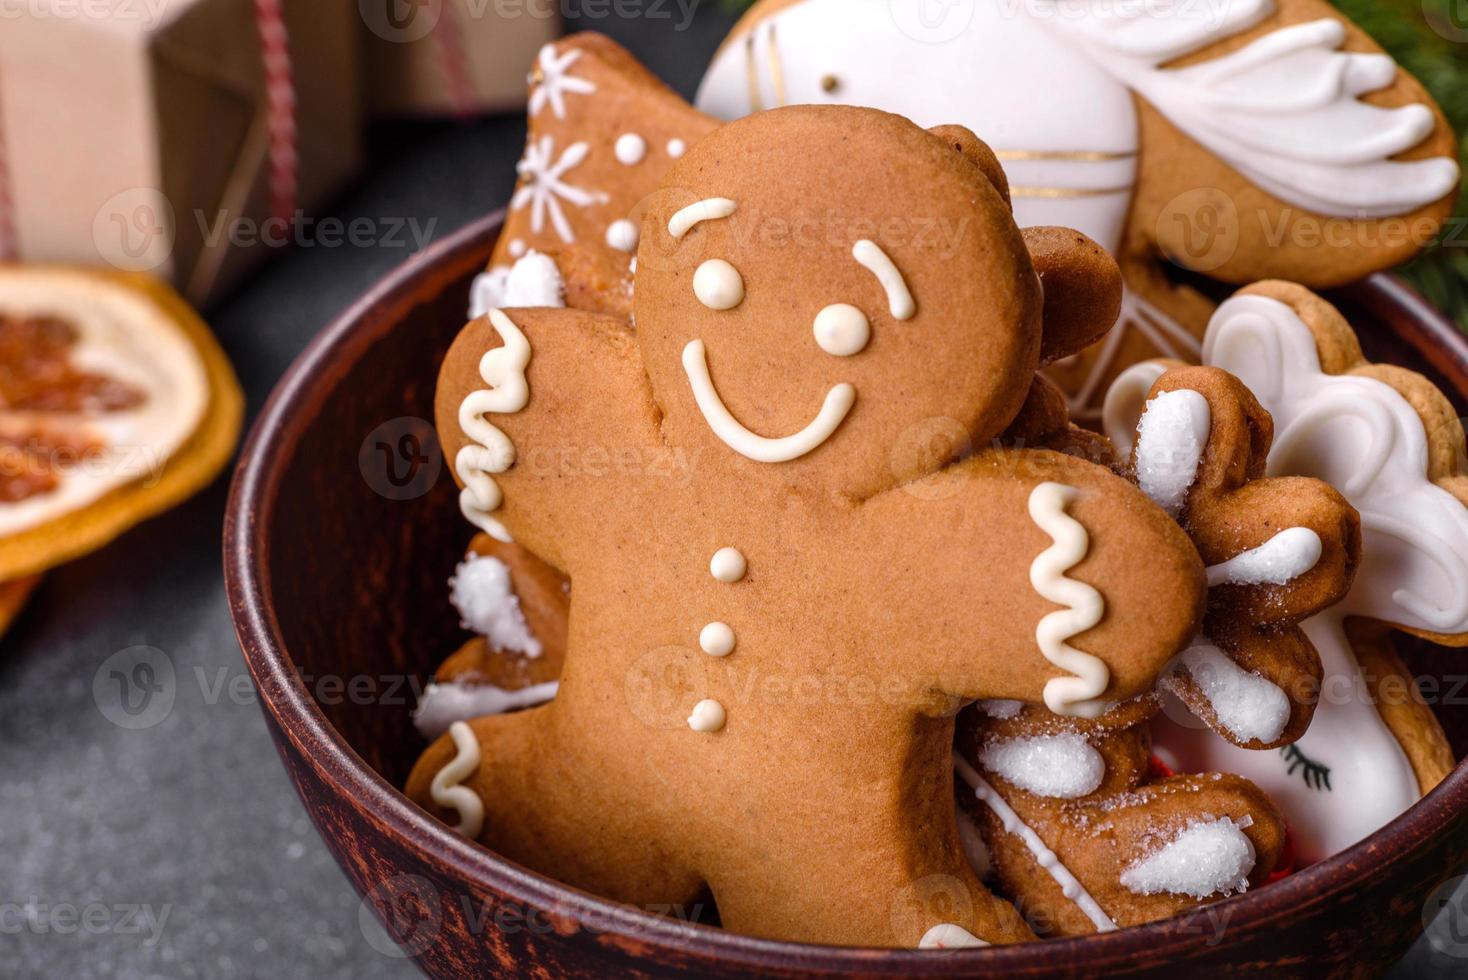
[
  {"x": 1070, "y": 885},
  {"x": 1076, "y": 695},
  {"x": 447, "y": 788},
  {"x": 490, "y": 450}
]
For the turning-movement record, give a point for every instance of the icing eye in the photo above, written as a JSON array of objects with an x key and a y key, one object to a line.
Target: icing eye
[
  {"x": 830, "y": 83},
  {"x": 718, "y": 285},
  {"x": 842, "y": 330}
]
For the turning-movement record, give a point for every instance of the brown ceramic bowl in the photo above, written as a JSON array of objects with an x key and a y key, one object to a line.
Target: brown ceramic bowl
[{"x": 331, "y": 578}]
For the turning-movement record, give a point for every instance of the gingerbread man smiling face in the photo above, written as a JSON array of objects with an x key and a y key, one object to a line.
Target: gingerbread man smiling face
[{"x": 756, "y": 650}]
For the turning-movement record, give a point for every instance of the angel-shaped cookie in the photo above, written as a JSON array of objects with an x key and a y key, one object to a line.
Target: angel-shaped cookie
[
  {"x": 1244, "y": 139},
  {"x": 1125, "y": 846},
  {"x": 790, "y": 622},
  {"x": 1389, "y": 441}
]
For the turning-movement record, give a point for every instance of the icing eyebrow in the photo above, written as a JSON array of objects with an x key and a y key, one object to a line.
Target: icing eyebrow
[
  {"x": 711, "y": 209},
  {"x": 899, "y": 297}
]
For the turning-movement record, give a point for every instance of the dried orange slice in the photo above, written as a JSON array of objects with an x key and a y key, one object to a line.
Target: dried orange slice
[{"x": 116, "y": 403}]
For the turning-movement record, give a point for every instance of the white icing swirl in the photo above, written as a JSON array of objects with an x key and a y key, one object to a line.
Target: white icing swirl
[
  {"x": 1075, "y": 695},
  {"x": 447, "y": 789},
  {"x": 490, "y": 450}
]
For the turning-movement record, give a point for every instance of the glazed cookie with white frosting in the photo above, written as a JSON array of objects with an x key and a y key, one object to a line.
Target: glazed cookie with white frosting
[
  {"x": 1250, "y": 139},
  {"x": 775, "y": 577}
]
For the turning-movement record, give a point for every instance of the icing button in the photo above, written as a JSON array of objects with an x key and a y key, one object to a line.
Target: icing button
[
  {"x": 728, "y": 565},
  {"x": 708, "y": 716},
  {"x": 718, "y": 285},
  {"x": 717, "y": 640}
]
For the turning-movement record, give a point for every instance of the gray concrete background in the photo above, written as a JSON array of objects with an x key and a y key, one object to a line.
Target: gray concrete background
[{"x": 180, "y": 850}]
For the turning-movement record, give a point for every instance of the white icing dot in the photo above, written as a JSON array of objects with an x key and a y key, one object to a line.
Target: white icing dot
[
  {"x": 718, "y": 285},
  {"x": 676, "y": 148},
  {"x": 482, "y": 593},
  {"x": 517, "y": 248},
  {"x": 1207, "y": 858},
  {"x": 1057, "y": 766},
  {"x": 1248, "y": 706},
  {"x": 623, "y": 235},
  {"x": 1170, "y": 440},
  {"x": 842, "y": 330},
  {"x": 728, "y": 565},
  {"x": 716, "y": 640},
  {"x": 708, "y": 716},
  {"x": 631, "y": 148}
]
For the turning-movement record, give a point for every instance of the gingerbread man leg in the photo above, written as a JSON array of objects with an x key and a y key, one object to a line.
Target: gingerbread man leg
[{"x": 520, "y": 806}]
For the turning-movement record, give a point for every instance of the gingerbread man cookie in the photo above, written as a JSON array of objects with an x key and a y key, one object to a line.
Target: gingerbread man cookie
[
  {"x": 1253, "y": 139},
  {"x": 1078, "y": 830},
  {"x": 790, "y": 621},
  {"x": 1391, "y": 443}
]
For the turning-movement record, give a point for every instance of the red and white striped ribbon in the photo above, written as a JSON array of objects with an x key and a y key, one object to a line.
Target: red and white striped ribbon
[
  {"x": 280, "y": 108},
  {"x": 453, "y": 60}
]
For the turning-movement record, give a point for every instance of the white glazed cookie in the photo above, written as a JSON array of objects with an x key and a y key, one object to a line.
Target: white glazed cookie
[{"x": 1128, "y": 115}]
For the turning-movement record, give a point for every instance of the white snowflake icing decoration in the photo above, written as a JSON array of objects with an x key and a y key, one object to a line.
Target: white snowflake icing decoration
[
  {"x": 555, "y": 80},
  {"x": 545, "y": 187}
]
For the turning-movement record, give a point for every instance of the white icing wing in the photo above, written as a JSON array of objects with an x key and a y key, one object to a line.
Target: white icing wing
[
  {"x": 1361, "y": 436},
  {"x": 1285, "y": 110}
]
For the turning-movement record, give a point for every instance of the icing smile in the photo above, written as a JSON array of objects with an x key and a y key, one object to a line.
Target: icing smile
[{"x": 759, "y": 448}]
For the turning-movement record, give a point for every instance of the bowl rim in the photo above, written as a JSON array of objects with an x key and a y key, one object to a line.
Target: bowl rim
[{"x": 257, "y": 482}]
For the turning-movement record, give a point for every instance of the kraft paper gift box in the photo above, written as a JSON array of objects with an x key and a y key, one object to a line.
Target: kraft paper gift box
[
  {"x": 173, "y": 136},
  {"x": 453, "y": 57}
]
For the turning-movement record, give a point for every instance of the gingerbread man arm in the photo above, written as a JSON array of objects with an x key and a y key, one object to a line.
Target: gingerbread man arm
[
  {"x": 1278, "y": 550},
  {"x": 1064, "y": 571},
  {"x": 547, "y": 420}
]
